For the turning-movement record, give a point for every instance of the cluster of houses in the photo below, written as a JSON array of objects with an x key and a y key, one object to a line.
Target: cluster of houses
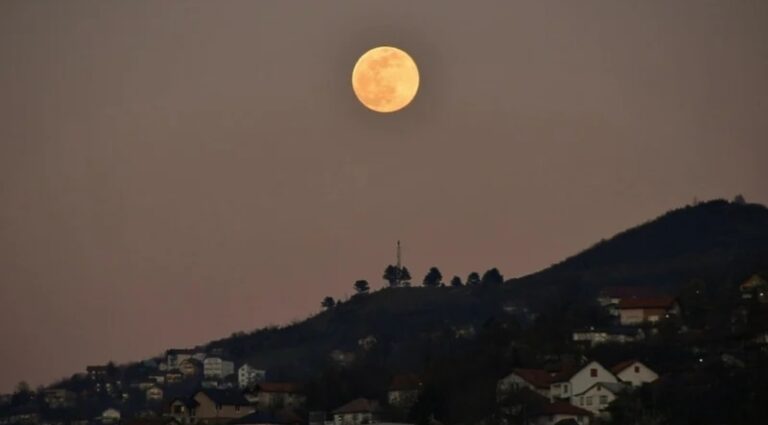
[
  {"x": 216, "y": 390},
  {"x": 632, "y": 310},
  {"x": 269, "y": 403},
  {"x": 578, "y": 393}
]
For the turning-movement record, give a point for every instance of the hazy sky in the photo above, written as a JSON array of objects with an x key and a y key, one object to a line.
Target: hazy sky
[{"x": 172, "y": 172}]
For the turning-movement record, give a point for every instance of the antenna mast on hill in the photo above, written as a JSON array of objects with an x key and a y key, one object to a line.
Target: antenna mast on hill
[
  {"x": 399, "y": 265},
  {"x": 398, "y": 255}
]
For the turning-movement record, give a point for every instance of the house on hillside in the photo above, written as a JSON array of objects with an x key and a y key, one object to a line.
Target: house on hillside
[
  {"x": 610, "y": 297},
  {"x": 97, "y": 373},
  {"x": 190, "y": 367},
  {"x": 271, "y": 395},
  {"x": 182, "y": 409},
  {"x": 210, "y": 405},
  {"x": 404, "y": 390},
  {"x": 634, "y": 373},
  {"x": 615, "y": 334},
  {"x": 636, "y": 311},
  {"x": 536, "y": 380},
  {"x": 175, "y": 356},
  {"x": 357, "y": 412},
  {"x": 577, "y": 379},
  {"x": 755, "y": 288},
  {"x": 597, "y": 397},
  {"x": 558, "y": 411},
  {"x": 154, "y": 393},
  {"x": 59, "y": 398},
  {"x": 217, "y": 367},
  {"x": 248, "y": 375}
]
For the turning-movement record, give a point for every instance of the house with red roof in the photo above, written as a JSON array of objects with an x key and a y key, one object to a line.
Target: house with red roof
[
  {"x": 557, "y": 411},
  {"x": 634, "y": 373},
  {"x": 610, "y": 297},
  {"x": 536, "y": 380},
  {"x": 635, "y": 311},
  {"x": 357, "y": 412}
]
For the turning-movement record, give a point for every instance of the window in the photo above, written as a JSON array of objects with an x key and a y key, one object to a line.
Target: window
[
  {"x": 637, "y": 369},
  {"x": 603, "y": 400},
  {"x": 581, "y": 401},
  {"x": 593, "y": 372},
  {"x": 237, "y": 408},
  {"x": 589, "y": 400}
]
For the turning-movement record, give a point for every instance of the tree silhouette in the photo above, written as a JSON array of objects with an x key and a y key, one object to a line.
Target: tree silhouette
[
  {"x": 361, "y": 286},
  {"x": 492, "y": 277},
  {"x": 328, "y": 303},
  {"x": 456, "y": 282},
  {"x": 473, "y": 278},
  {"x": 391, "y": 275},
  {"x": 433, "y": 277},
  {"x": 405, "y": 276}
]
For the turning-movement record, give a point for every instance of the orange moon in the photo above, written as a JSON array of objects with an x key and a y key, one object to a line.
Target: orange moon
[{"x": 385, "y": 79}]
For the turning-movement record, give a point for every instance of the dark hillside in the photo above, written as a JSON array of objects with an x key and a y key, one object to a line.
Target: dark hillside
[{"x": 718, "y": 242}]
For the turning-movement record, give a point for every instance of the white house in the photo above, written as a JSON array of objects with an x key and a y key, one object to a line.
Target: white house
[
  {"x": 634, "y": 373},
  {"x": 536, "y": 380},
  {"x": 575, "y": 381},
  {"x": 248, "y": 375},
  {"x": 216, "y": 367},
  {"x": 597, "y": 397}
]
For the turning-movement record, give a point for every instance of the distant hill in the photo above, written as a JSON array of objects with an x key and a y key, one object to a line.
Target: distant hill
[{"x": 716, "y": 241}]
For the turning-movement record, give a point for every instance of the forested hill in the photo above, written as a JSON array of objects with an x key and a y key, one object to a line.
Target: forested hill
[{"x": 717, "y": 242}]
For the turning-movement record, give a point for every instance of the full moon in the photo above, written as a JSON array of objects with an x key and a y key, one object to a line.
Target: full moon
[{"x": 385, "y": 79}]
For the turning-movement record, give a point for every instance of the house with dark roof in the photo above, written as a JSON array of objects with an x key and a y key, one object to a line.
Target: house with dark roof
[
  {"x": 574, "y": 380},
  {"x": 210, "y": 406},
  {"x": 536, "y": 380},
  {"x": 357, "y": 412},
  {"x": 634, "y": 372},
  {"x": 559, "y": 411},
  {"x": 635, "y": 311},
  {"x": 270, "y": 395},
  {"x": 404, "y": 390}
]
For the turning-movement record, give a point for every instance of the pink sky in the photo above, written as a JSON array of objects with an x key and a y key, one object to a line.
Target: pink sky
[{"x": 172, "y": 172}]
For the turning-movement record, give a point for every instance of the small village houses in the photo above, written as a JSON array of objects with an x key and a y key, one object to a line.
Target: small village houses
[{"x": 634, "y": 373}]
